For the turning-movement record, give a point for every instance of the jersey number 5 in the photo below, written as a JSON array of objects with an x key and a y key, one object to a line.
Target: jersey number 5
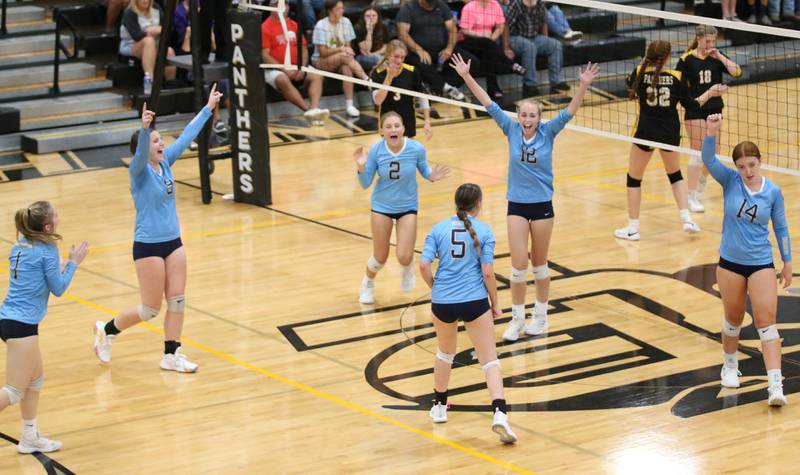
[
  {"x": 752, "y": 211},
  {"x": 394, "y": 170},
  {"x": 459, "y": 245},
  {"x": 16, "y": 263}
]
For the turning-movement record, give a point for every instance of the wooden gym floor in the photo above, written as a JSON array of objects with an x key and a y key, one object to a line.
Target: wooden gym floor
[{"x": 297, "y": 377}]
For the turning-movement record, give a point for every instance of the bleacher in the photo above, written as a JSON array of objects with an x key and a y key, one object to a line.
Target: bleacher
[{"x": 99, "y": 91}]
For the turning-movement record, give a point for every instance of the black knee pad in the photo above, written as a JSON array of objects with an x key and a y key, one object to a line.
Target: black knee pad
[
  {"x": 633, "y": 182},
  {"x": 675, "y": 177}
]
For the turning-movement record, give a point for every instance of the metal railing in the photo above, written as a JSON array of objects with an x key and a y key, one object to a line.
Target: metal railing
[{"x": 62, "y": 21}]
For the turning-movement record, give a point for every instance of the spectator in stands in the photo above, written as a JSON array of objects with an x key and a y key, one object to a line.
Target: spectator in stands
[
  {"x": 139, "y": 33},
  {"x": 526, "y": 36},
  {"x": 309, "y": 14},
  {"x": 332, "y": 52},
  {"x": 274, "y": 44},
  {"x": 214, "y": 12},
  {"x": 777, "y": 14},
  {"x": 429, "y": 31},
  {"x": 729, "y": 10},
  {"x": 371, "y": 38},
  {"x": 113, "y": 9},
  {"x": 558, "y": 25},
  {"x": 482, "y": 23},
  {"x": 758, "y": 14},
  {"x": 183, "y": 32}
]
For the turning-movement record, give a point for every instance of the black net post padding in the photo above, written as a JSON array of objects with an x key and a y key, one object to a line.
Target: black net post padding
[
  {"x": 161, "y": 57},
  {"x": 199, "y": 99},
  {"x": 248, "y": 121}
]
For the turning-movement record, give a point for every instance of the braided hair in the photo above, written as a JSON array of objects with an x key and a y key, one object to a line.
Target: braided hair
[
  {"x": 657, "y": 55},
  {"x": 468, "y": 196}
]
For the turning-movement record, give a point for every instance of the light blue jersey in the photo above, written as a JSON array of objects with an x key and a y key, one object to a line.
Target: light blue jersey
[
  {"x": 745, "y": 235},
  {"x": 154, "y": 192},
  {"x": 396, "y": 189},
  {"x": 530, "y": 164},
  {"x": 459, "y": 277},
  {"x": 34, "y": 273}
]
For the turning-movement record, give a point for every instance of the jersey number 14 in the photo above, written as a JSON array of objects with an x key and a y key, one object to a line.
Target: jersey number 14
[{"x": 752, "y": 211}]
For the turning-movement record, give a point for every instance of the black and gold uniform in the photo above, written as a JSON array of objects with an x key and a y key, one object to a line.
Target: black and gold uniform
[
  {"x": 658, "y": 115},
  {"x": 700, "y": 73},
  {"x": 401, "y": 103}
]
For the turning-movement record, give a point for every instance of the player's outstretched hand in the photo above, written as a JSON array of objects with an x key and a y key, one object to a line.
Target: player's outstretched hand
[
  {"x": 360, "y": 158},
  {"x": 461, "y": 67},
  {"x": 713, "y": 124},
  {"x": 718, "y": 89},
  {"x": 214, "y": 97},
  {"x": 77, "y": 252},
  {"x": 588, "y": 74},
  {"x": 147, "y": 116},
  {"x": 440, "y": 172}
]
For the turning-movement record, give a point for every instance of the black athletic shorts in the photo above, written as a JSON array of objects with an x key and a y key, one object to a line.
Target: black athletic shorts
[
  {"x": 155, "y": 249},
  {"x": 531, "y": 211},
  {"x": 13, "y": 329},
  {"x": 396, "y": 215},
  {"x": 464, "y": 311},
  {"x": 700, "y": 113},
  {"x": 743, "y": 270}
]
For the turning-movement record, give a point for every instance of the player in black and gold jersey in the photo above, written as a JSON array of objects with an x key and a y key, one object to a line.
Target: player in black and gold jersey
[
  {"x": 659, "y": 89},
  {"x": 392, "y": 71},
  {"x": 702, "y": 66}
]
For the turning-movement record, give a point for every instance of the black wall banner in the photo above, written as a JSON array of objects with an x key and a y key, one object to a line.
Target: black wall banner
[{"x": 249, "y": 146}]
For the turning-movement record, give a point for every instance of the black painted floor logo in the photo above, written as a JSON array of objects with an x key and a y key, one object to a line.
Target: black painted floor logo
[
  {"x": 50, "y": 466},
  {"x": 612, "y": 347}
]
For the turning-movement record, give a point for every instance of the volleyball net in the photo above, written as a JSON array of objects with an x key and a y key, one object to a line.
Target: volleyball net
[{"x": 761, "y": 103}]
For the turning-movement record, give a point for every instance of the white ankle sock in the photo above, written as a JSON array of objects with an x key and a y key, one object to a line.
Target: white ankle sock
[
  {"x": 30, "y": 429},
  {"x": 540, "y": 309},
  {"x": 774, "y": 376},
  {"x": 685, "y": 216},
  {"x": 349, "y": 103},
  {"x": 730, "y": 360},
  {"x": 518, "y": 311},
  {"x": 633, "y": 225}
]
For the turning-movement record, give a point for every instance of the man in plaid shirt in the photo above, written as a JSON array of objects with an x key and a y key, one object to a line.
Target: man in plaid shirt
[{"x": 526, "y": 36}]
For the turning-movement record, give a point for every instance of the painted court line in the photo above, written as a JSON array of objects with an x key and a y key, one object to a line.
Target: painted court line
[{"x": 342, "y": 402}]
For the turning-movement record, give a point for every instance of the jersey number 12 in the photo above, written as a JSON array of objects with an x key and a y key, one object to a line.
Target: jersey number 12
[{"x": 751, "y": 211}]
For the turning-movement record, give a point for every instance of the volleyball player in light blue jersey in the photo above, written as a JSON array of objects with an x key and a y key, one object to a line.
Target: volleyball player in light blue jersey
[
  {"x": 745, "y": 255},
  {"x": 396, "y": 160},
  {"x": 464, "y": 279},
  {"x": 35, "y": 271},
  {"x": 158, "y": 253},
  {"x": 530, "y": 192}
]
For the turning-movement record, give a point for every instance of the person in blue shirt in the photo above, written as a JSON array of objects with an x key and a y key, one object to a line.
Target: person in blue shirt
[
  {"x": 464, "y": 279},
  {"x": 745, "y": 256},
  {"x": 530, "y": 192},
  {"x": 396, "y": 160},
  {"x": 35, "y": 271},
  {"x": 158, "y": 253}
]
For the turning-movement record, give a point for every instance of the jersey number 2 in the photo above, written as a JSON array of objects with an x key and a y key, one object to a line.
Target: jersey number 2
[
  {"x": 751, "y": 211},
  {"x": 16, "y": 263},
  {"x": 394, "y": 170},
  {"x": 459, "y": 245}
]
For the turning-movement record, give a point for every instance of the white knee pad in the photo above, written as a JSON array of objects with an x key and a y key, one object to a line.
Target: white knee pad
[
  {"x": 695, "y": 160},
  {"x": 490, "y": 364},
  {"x": 14, "y": 394},
  {"x": 446, "y": 357},
  {"x": 176, "y": 303},
  {"x": 540, "y": 272},
  {"x": 730, "y": 330},
  {"x": 146, "y": 313},
  {"x": 519, "y": 276},
  {"x": 37, "y": 384},
  {"x": 768, "y": 333},
  {"x": 373, "y": 265}
]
